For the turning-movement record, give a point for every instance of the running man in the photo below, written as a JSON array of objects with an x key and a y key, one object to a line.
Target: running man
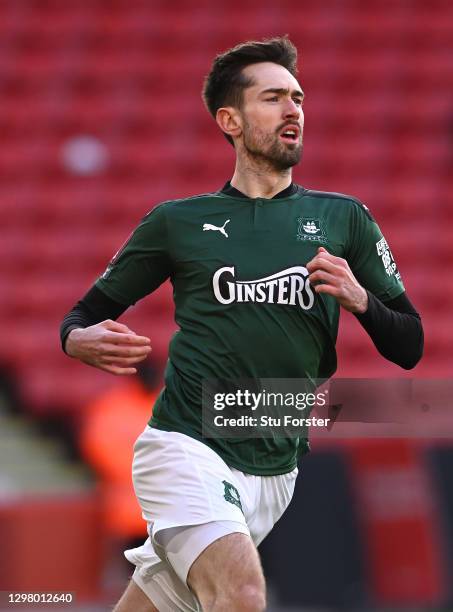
[{"x": 209, "y": 503}]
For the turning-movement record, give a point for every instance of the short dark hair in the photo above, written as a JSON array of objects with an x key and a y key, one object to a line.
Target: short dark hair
[{"x": 225, "y": 83}]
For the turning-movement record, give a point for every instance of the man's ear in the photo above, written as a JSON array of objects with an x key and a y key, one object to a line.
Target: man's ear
[{"x": 229, "y": 121}]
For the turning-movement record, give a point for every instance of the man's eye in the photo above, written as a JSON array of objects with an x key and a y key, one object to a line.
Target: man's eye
[
  {"x": 298, "y": 101},
  {"x": 273, "y": 99}
]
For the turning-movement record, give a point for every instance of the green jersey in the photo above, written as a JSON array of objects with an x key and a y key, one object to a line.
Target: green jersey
[{"x": 243, "y": 302}]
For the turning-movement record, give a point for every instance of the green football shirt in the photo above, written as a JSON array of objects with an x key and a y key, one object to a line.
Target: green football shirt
[{"x": 243, "y": 302}]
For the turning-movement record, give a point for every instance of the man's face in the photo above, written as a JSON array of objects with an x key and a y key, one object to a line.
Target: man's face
[{"x": 272, "y": 116}]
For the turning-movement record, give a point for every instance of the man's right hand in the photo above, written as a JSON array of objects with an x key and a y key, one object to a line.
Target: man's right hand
[{"x": 109, "y": 346}]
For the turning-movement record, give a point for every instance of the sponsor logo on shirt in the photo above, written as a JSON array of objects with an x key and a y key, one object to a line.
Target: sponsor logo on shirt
[
  {"x": 290, "y": 287},
  {"x": 384, "y": 252},
  {"x": 312, "y": 229}
]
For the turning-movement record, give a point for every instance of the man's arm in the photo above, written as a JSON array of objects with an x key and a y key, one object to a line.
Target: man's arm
[
  {"x": 395, "y": 327},
  {"x": 90, "y": 333}
]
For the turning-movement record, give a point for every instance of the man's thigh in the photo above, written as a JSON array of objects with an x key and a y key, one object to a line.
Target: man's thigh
[
  {"x": 162, "y": 592},
  {"x": 134, "y": 600},
  {"x": 228, "y": 575}
]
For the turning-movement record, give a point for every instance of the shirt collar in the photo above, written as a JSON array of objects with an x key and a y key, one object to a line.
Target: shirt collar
[{"x": 228, "y": 189}]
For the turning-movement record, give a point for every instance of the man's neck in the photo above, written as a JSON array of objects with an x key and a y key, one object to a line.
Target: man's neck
[{"x": 256, "y": 183}]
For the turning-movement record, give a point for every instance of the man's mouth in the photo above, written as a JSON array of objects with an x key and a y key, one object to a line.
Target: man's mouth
[{"x": 290, "y": 134}]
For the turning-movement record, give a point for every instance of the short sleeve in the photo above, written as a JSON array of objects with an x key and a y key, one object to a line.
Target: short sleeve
[
  {"x": 370, "y": 258},
  {"x": 141, "y": 264}
]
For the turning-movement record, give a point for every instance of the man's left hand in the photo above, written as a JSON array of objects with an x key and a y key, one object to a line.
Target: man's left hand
[{"x": 332, "y": 275}]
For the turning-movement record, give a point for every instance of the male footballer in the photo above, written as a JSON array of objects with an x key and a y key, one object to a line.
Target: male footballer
[{"x": 259, "y": 270}]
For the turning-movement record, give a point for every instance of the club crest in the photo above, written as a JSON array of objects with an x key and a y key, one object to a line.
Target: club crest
[
  {"x": 231, "y": 494},
  {"x": 312, "y": 229}
]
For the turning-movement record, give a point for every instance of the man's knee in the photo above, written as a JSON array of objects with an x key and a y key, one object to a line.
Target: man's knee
[{"x": 246, "y": 597}]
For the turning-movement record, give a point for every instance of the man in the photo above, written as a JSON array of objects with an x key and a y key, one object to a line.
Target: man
[{"x": 210, "y": 502}]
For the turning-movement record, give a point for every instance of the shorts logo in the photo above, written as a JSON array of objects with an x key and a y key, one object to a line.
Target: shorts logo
[
  {"x": 312, "y": 229},
  {"x": 231, "y": 495}
]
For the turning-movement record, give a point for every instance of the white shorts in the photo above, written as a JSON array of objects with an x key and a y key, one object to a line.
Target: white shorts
[{"x": 189, "y": 498}]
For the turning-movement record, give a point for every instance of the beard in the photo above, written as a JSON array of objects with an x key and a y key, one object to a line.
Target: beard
[{"x": 267, "y": 149}]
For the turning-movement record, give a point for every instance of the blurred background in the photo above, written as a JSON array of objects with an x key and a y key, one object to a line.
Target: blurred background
[{"x": 100, "y": 120}]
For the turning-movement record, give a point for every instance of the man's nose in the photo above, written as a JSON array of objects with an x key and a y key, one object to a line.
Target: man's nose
[{"x": 291, "y": 109}]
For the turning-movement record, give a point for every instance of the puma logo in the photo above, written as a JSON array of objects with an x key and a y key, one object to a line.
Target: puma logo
[{"x": 214, "y": 228}]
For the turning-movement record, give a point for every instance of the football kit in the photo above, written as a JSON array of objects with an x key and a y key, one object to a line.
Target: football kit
[{"x": 243, "y": 301}]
